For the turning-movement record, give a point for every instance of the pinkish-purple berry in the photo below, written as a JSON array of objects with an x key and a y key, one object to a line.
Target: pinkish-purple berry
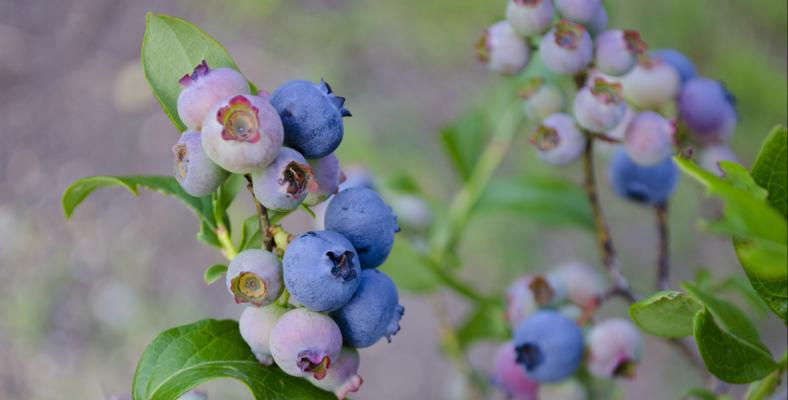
[
  {"x": 600, "y": 106},
  {"x": 305, "y": 343},
  {"x": 342, "y": 377},
  {"x": 204, "y": 88},
  {"x": 649, "y": 138},
  {"x": 285, "y": 183},
  {"x": 584, "y": 284},
  {"x": 617, "y": 51},
  {"x": 531, "y": 292},
  {"x": 614, "y": 347},
  {"x": 711, "y": 156},
  {"x": 651, "y": 83},
  {"x": 530, "y": 17},
  {"x": 567, "y": 49},
  {"x": 194, "y": 171},
  {"x": 255, "y": 276},
  {"x": 511, "y": 377},
  {"x": 503, "y": 50},
  {"x": 558, "y": 140},
  {"x": 256, "y": 324}
]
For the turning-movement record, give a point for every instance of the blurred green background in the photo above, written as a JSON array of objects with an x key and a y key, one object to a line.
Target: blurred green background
[{"x": 80, "y": 299}]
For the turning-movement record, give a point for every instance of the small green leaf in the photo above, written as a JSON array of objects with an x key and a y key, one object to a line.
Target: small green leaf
[
  {"x": 464, "y": 140},
  {"x": 546, "y": 200},
  {"x": 171, "y": 48},
  {"x": 742, "y": 286},
  {"x": 308, "y": 210},
  {"x": 771, "y": 169},
  {"x": 403, "y": 182},
  {"x": 407, "y": 267},
  {"x": 486, "y": 322},
  {"x": 182, "y": 358},
  {"x": 732, "y": 318},
  {"x": 699, "y": 394},
  {"x": 250, "y": 234},
  {"x": 229, "y": 190},
  {"x": 214, "y": 273},
  {"x": 727, "y": 356},
  {"x": 666, "y": 314},
  {"x": 740, "y": 178}
]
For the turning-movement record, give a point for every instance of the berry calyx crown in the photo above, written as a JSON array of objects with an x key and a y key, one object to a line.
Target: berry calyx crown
[{"x": 240, "y": 120}]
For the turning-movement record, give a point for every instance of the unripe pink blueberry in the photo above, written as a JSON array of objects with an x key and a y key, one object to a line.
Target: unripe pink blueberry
[
  {"x": 511, "y": 377},
  {"x": 584, "y": 284},
  {"x": 580, "y": 11},
  {"x": 541, "y": 99},
  {"x": 256, "y": 324},
  {"x": 649, "y": 138},
  {"x": 194, "y": 171},
  {"x": 530, "y": 17},
  {"x": 614, "y": 348},
  {"x": 242, "y": 133},
  {"x": 285, "y": 183},
  {"x": 600, "y": 106},
  {"x": 558, "y": 140},
  {"x": 567, "y": 49},
  {"x": 503, "y": 50},
  {"x": 327, "y": 175},
  {"x": 342, "y": 377},
  {"x": 254, "y": 276},
  {"x": 531, "y": 292},
  {"x": 570, "y": 389},
  {"x": 617, "y": 51},
  {"x": 710, "y": 157},
  {"x": 617, "y": 133},
  {"x": 204, "y": 88},
  {"x": 305, "y": 343},
  {"x": 651, "y": 83}
]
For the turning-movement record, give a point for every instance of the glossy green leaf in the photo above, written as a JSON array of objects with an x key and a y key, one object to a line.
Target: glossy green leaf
[
  {"x": 666, "y": 314},
  {"x": 728, "y": 314},
  {"x": 182, "y": 358},
  {"x": 740, "y": 178},
  {"x": 171, "y": 48},
  {"x": 770, "y": 170},
  {"x": 464, "y": 140},
  {"x": 545, "y": 200},
  {"x": 214, "y": 273},
  {"x": 727, "y": 356},
  {"x": 406, "y": 266},
  {"x": 486, "y": 322},
  {"x": 250, "y": 234}
]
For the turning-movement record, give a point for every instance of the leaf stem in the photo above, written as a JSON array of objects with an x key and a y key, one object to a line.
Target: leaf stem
[
  {"x": 267, "y": 238},
  {"x": 221, "y": 231},
  {"x": 663, "y": 262}
]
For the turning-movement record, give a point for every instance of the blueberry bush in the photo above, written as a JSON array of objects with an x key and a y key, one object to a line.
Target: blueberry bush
[{"x": 588, "y": 93}]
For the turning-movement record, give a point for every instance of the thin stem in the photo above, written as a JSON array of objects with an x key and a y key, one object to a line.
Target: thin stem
[
  {"x": 454, "y": 283},
  {"x": 221, "y": 231},
  {"x": 267, "y": 238},
  {"x": 765, "y": 387},
  {"x": 663, "y": 263}
]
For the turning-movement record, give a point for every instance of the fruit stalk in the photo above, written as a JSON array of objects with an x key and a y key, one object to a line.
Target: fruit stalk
[
  {"x": 266, "y": 237},
  {"x": 663, "y": 262}
]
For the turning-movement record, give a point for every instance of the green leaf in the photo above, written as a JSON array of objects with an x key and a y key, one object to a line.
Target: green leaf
[
  {"x": 739, "y": 177},
  {"x": 727, "y": 356},
  {"x": 486, "y": 322},
  {"x": 666, "y": 314},
  {"x": 250, "y": 234},
  {"x": 172, "y": 48},
  {"x": 771, "y": 169},
  {"x": 764, "y": 264},
  {"x": 742, "y": 286},
  {"x": 403, "y": 182},
  {"x": 214, "y": 273},
  {"x": 464, "y": 140},
  {"x": 546, "y": 200},
  {"x": 229, "y": 190},
  {"x": 732, "y": 318},
  {"x": 182, "y": 358},
  {"x": 699, "y": 394},
  {"x": 407, "y": 267}
]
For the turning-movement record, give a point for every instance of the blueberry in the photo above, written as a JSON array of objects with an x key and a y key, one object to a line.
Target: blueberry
[
  {"x": 373, "y": 312},
  {"x": 549, "y": 346},
  {"x": 327, "y": 176},
  {"x": 256, "y": 324},
  {"x": 649, "y": 138},
  {"x": 567, "y": 49},
  {"x": 584, "y": 285},
  {"x": 651, "y": 83},
  {"x": 204, "y": 88},
  {"x": 510, "y": 377},
  {"x": 311, "y": 115},
  {"x": 194, "y": 171},
  {"x": 366, "y": 221},
  {"x": 600, "y": 106},
  {"x": 614, "y": 348},
  {"x": 321, "y": 270},
  {"x": 242, "y": 133},
  {"x": 503, "y": 50},
  {"x": 530, "y": 292},
  {"x": 710, "y": 157},
  {"x": 647, "y": 185},
  {"x": 708, "y": 109},
  {"x": 541, "y": 99},
  {"x": 580, "y": 11},
  {"x": 617, "y": 51},
  {"x": 530, "y": 17},
  {"x": 305, "y": 343},
  {"x": 285, "y": 183},
  {"x": 356, "y": 176},
  {"x": 254, "y": 276},
  {"x": 342, "y": 377},
  {"x": 558, "y": 140},
  {"x": 599, "y": 23},
  {"x": 680, "y": 62}
]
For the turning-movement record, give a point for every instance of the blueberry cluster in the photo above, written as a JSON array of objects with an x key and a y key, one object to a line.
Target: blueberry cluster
[
  {"x": 650, "y": 102},
  {"x": 332, "y": 300},
  {"x": 554, "y": 335}
]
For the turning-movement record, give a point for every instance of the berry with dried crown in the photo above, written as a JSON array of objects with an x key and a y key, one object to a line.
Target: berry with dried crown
[
  {"x": 567, "y": 49},
  {"x": 194, "y": 171},
  {"x": 503, "y": 50},
  {"x": 204, "y": 88}
]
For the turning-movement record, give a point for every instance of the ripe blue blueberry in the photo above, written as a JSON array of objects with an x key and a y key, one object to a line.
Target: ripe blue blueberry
[
  {"x": 204, "y": 88},
  {"x": 617, "y": 51},
  {"x": 254, "y": 276},
  {"x": 342, "y": 377},
  {"x": 510, "y": 376},
  {"x": 194, "y": 171},
  {"x": 311, "y": 115},
  {"x": 649, "y": 138},
  {"x": 708, "y": 109},
  {"x": 600, "y": 106},
  {"x": 327, "y": 176},
  {"x": 647, "y": 185},
  {"x": 580, "y": 11},
  {"x": 541, "y": 99},
  {"x": 567, "y": 48},
  {"x": 321, "y": 270},
  {"x": 677, "y": 60},
  {"x": 366, "y": 221},
  {"x": 530, "y": 17},
  {"x": 242, "y": 133},
  {"x": 503, "y": 50},
  {"x": 651, "y": 83},
  {"x": 549, "y": 346},
  {"x": 614, "y": 348},
  {"x": 305, "y": 343},
  {"x": 373, "y": 312},
  {"x": 558, "y": 140},
  {"x": 256, "y": 324},
  {"x": 284, "y": 183}
]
